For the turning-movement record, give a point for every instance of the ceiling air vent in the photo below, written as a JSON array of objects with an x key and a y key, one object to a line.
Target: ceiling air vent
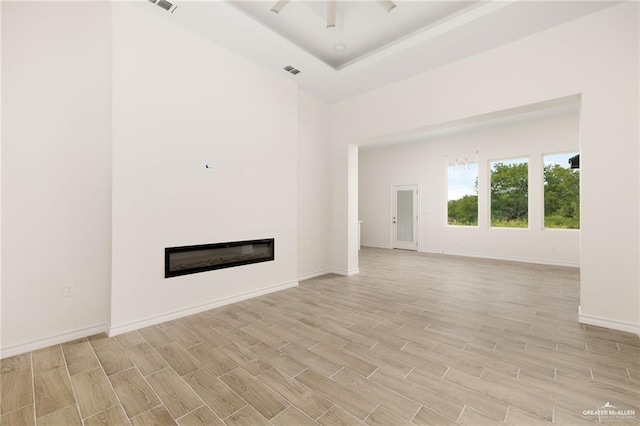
[
  {"x": 288, "y": 68},
  {"x": 169, "y": 7}
]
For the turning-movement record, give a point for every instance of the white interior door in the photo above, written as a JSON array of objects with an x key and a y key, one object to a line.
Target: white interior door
[{"x": 404, "y": 217}]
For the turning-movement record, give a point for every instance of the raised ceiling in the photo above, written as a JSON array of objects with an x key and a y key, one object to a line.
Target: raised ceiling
[
  {"x": 362, "y": 27},
  {"x": 379, "y": 55}
]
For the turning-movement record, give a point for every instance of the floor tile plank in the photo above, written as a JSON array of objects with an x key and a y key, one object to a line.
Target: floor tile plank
[
  {"x": 113, "y": 358},
  {"x": 47, "y": 359},
  {"x": 114, "y": 416},
  {"x": 15, "y": 363},
  {"x": 22, "y": 417},
  {"x": 247, "y": 416},
  {"x": 215, "y": 393},
  {"x": 67, "y": 416},
  {"x": 212, "y": 359},
  {"x": 133, "y": 392},
  {"x": 53, "y": 391},
  {"x": 292, "y": 416},
  {"x": 295, "y": 392},
  {"x": 17, "y": 390},
  {"x": 347, "y": 398},
  {"x": 263, "y": 399},
  {"x": 94, "y": 392},
  {"x": 79, "y": 356},
  {"x": 157, "y": 416},
  {"x": 178, "y": 358},
  {"x": 146, "y": 358},
  {"x": 336, "y": 416},
  {"x": 203, "y": 416},
  {"x": 245, "y": 358},
  {"x": 176, "y": 395}
]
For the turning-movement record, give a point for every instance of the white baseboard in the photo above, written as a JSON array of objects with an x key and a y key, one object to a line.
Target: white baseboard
[
  {"x": 609, "y": 323},
  {"x": 375, "y": 246},
  {"x": 55, "y": 339},
  {"x": 507, "y": 258},
  {"x": 314, "y": 274},
  {"x": 345, "y": 272},
  {"x": 115, "y": 330}
]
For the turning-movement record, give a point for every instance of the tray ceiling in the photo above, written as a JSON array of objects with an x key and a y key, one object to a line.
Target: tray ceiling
[
  {"x": 415, "y": 37},
  {"x": 362, "y": 27}
]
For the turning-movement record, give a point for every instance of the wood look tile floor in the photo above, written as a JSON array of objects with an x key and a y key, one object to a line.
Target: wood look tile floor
[{"x": 414, "y": 339}]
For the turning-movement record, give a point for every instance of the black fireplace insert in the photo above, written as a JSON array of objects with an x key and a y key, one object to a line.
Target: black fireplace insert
[{"x": 206, "y": 257}]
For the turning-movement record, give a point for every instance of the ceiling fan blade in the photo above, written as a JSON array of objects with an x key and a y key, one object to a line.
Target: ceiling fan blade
[
  {"x": 331, "y": 13},
  {"x": 387, "y": 4},
  {"x": 279, "y": 6}
]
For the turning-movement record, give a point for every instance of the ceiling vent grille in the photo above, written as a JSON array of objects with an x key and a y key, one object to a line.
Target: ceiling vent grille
[
  {"x": 169, "y": 7},
  {"x": 288, "y": 68}
]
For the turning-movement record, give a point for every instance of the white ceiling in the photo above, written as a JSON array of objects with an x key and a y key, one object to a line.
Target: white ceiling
[
  {"x": 363, "y": 27},
  {"x": 380, "y": 50},
  {"x": 537, "y": 111}
]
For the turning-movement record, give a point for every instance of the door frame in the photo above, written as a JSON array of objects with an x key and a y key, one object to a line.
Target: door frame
[{"x": 415, "y": 186}]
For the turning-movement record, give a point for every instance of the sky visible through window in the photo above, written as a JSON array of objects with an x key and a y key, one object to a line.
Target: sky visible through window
[
  {"x": 560, "y": 159},
  {"x": 461, "y": 181}
]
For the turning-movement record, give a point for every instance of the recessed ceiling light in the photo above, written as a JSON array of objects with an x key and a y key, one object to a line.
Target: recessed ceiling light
[{"x": 340, "y": 47}]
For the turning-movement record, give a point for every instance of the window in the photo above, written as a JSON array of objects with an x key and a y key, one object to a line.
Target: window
[
  {"x": 462, "y": 196},
  {"x": 561, "y": 192},
  {"x": 510, "y": 193}
]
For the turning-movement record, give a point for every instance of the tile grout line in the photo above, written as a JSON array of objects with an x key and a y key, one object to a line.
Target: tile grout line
[
  {"x": 331, "y": 376},
  {"x": 378, "y": 368},
  {"x": 444, "y": 374},
  {"x": 73, "y": 389},
  {"x": 374, "y": 409},
  {"x": 147, "y": 382},
  {"x": 108, "y": 381},
  {"x": 181, "y": 377},
  {"x": 416, "y": 413},
  {"x": 33, "y": 383},
  {"x": 461, "y": 413},
  {"x": 506, "y": 415},
  {"x": 195, "y": 409},
  {"x": 245, "y": 405},
  {"x": 326, "y": 411},
  {"x": 293, "y": 377}
]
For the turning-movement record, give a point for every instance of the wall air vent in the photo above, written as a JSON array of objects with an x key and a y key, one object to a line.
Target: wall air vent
[
  {"x": 288, "y": 68},
  {"x": 169, "y": 7}
]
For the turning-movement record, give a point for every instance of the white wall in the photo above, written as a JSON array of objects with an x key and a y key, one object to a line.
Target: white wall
[
  {"x": 314, "y": 186},
  {"x": 181, "y": 102},
  {"x": 423, "y": 163},
  {"x": 56, "y": 171},
  {"x": 596, "y": 56}
]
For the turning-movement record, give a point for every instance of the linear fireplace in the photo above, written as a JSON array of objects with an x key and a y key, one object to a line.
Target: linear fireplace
[{"x": 206, "y": 257}]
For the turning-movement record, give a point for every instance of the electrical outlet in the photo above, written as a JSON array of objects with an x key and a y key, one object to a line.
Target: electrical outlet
[{"x": 69, "y": 291}]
